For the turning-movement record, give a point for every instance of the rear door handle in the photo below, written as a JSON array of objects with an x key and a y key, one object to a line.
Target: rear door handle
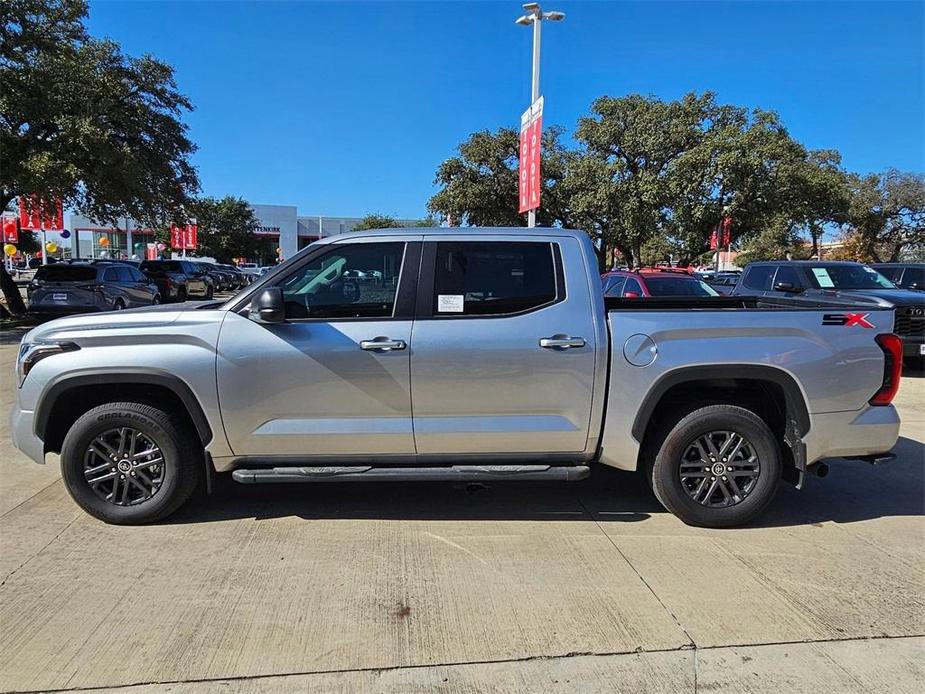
[
  {"x": 383, "y": 344},
  {"x": 561, "y": 342}
]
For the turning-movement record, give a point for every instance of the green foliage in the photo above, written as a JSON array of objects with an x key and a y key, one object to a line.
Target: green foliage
[
  {"x": 82, "y": 121},
  {"x": 651, "y": 178},
  {"x": 226, "y": 228},
  {"x": 374, "y": 220},
  {"x": 479, "y": 186},
  {"x": 887, "y": 213}
]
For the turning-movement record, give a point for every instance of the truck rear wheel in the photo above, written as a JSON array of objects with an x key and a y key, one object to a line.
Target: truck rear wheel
[
  {"x": 717, "y": 467},
  {"x": 129, "y": 463}
]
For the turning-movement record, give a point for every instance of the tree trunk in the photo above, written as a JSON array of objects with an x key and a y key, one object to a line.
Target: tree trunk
[
  {"x": 814, "y": 233},
  {"x": 11, "y": 292}
]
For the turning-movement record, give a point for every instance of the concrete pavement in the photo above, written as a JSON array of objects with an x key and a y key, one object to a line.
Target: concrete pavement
[{"x": 417, "y": 587}]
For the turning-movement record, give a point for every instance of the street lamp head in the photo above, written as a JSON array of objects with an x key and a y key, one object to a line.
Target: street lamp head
[
  {"x": 524, "y": 21},
  {"x": 531, "y": 6},
  {"x": 554, "y": 16}
]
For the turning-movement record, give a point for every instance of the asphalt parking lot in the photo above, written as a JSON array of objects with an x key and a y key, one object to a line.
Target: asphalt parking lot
[{"x": 420, "y": 587}]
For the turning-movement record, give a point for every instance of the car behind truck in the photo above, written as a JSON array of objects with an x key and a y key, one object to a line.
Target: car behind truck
[{"x": 448, "y": 354}]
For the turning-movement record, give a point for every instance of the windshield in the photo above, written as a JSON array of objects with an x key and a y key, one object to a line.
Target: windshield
[
  {"x": 848, "y": 277},
  {"x": 678, "y": 286},
  {"x": 65, "y": 273}
]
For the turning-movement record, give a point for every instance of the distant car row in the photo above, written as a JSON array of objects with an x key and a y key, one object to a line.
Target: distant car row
[
  {"x": 104, "y": 285},
  {"x": 897, "y": 285}
]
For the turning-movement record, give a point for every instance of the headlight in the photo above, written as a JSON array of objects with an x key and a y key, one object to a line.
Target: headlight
[{"x": 31, "y": 353}]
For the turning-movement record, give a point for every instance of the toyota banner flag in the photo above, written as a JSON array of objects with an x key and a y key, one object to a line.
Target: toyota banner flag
[
  {"x": 184, "y": 237},
  {"x": 37, "y": 214},
  {"x": 529, "y": 178}
]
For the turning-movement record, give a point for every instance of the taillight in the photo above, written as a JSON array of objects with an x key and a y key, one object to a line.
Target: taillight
[
  {"x": 892, "y": 346},
  {"x": 91, "y": 287}
]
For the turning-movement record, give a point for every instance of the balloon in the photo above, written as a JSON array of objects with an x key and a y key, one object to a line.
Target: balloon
[
  {"x": 279, "y": 250},
  {"x": 51, "y": 246},
  {"x": 161, "y": 246},
  {"x": 65, "y": 234},
  {"x": 9, "y": 249},
  {"x": 104, "y": 241},
  {"x": 104, "y": 254}
]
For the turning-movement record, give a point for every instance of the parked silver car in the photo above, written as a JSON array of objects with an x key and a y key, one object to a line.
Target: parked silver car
[{"x": 83, "y": 287}]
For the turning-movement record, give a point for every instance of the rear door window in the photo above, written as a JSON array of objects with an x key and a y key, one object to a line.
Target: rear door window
[
  {"x": 632, "y": 287},
  {"x": 613, "y": 285},
  {"x": 914, "y": 278},
  {"x": 491, "y": 278},
  {"x": 124, "y": 274},
  {"x": 110, "y": 275},
  {"x": 785, "y": 273},
  {"x": 759, "y": 278}
]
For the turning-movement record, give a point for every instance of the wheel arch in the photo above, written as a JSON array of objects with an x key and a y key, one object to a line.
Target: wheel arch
[
  {"x": 768, "y": 390},
  {"x": 66, "y": 398}
]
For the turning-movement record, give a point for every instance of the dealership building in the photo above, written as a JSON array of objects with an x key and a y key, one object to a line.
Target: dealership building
[{"x": 280, "y": 226}]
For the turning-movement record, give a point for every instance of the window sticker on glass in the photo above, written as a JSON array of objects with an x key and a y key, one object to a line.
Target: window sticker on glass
[
  {"x": 822, "y": 277},
  {"x": 449, "y": 303}
]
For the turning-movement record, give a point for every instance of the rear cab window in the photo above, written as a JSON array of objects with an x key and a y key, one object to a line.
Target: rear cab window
[{"x": 492, "y": 278}]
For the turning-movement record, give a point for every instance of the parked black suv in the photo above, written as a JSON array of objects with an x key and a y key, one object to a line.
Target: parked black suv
[
  {"x": 178, "y": 280},
  {"x": 903, "y": 275},
  {"x": 855, "y": 284}
]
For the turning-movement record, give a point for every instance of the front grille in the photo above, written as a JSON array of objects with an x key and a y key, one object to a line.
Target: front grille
[{"x": 907, "y": 326}]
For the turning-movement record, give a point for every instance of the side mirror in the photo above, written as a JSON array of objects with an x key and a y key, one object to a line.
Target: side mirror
[
  {"x": 268, "y": 306},
  {"x": 631, "y": 295},
  {"x": 786, "y": 287}
]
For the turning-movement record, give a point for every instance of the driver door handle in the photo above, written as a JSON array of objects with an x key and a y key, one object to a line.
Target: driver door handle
[
  {"x": 561, "y": 342},
  {"x": 383, "y": 344}
]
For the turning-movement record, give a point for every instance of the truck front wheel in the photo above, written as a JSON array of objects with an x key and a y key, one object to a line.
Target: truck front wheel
[
  {"x": 717, "y": 467},
  {"x": 129, "y": 462}
]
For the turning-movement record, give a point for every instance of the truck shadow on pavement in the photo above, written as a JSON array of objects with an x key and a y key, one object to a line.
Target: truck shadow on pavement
[{"x": 852, "y": 492}]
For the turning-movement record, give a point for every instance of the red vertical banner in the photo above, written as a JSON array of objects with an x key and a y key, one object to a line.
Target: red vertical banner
[
  {"x": 530, "y": 181},
  {"x": 523, "y": 165},
  {"x": 727, "y": 232},
  {"x": 190, "y": 237},
  {"x": 176, "y": 237},
  {"x": 36, "y": 213},
  {"x": 10, "y": 230},
  {"x": 714, "y": 237},
  {"x": 536, "y": 181}
]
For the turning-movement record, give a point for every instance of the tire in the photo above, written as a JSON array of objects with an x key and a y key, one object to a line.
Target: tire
[
  {"x": 210, "y": 292},
  {"x": 181, "y": 295},
  {"x": 156, "y": 300},
  {"x": 118, "y": 305},
  {"x": 726, "y": 502},
  {"x": 178, "y": 447}
]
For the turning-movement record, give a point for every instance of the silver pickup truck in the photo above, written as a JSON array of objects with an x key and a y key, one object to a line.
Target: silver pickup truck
[{"x": 449, "y": 354}]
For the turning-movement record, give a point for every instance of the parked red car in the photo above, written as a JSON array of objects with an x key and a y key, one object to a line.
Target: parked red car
[{"x": 657, "y": 281}]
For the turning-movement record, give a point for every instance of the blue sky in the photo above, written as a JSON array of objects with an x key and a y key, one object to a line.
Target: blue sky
[{"x": 344, "y": 108}]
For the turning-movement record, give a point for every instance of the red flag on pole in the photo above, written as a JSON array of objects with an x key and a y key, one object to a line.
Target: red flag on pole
[
  {"x": 190, "y": 237},
  {"x": 176, "y": 237},
  {"x": 36, "y": 214},
  {"x": 530, "y": 181},
  {"x": 713, "y": 238},
  {"x": 727, "y": 232}
]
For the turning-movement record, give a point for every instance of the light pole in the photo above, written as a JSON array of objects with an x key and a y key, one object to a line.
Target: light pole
[{"x": 535, "y": 16}]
